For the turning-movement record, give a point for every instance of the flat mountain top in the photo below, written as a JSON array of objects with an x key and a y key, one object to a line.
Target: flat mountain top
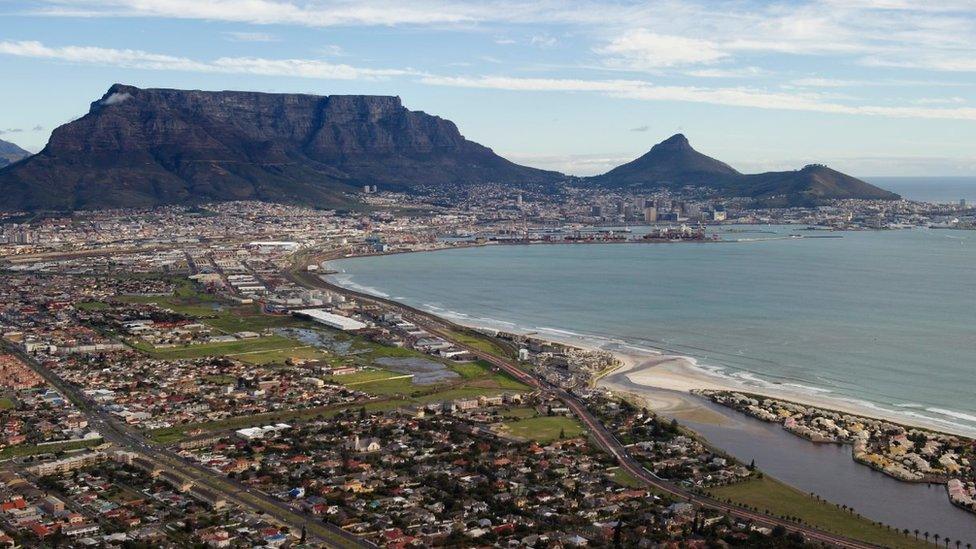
[{"x": 147, "y": 147}]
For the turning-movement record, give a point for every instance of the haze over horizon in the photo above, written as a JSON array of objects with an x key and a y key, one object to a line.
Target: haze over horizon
[{"x": 872, "y": 87}]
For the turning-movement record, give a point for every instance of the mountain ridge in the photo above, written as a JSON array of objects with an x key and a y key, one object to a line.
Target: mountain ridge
[
  {"x": 148, "y": 147},
  {"x": 10, "y": 153},
  {"x": 674, "y": 163}
]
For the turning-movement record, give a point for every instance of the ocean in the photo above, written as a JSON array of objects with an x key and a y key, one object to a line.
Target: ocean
[
  {"x": 939, "y": 190},
  {"x": 885, "y": 319}
]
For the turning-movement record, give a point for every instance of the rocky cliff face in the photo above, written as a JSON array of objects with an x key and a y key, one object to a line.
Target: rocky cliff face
[
  {"x": 673, "y": 163},
  {"x": 10, "y": 153},
  {"x": 146, "y": 147}
]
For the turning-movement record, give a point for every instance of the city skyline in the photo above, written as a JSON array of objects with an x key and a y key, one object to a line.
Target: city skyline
[{"x": 871, "y": 88}]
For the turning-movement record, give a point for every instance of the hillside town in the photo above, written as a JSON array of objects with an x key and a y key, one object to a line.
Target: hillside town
[
  {"x": 189, "y": 376},
  {"x": 171, "y": 389}
]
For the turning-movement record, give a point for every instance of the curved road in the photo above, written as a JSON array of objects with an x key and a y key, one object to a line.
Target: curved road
[{"x": 603, "y": 437}]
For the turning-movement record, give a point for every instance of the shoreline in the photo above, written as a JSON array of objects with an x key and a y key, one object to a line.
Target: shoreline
[
  {"x": 679, "y": 374},
  {"x": 666, "y": 379}
]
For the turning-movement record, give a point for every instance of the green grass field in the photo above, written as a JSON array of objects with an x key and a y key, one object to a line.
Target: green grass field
[
  {"x": 92, "y": 306},
  {"x": 282, "y": 355},
  {"x": 480, "y": 342},
  {"x": 377, "y": 382},
  {"x": 170, "y": 435},
  {"x": 780, "y": 499},
  {"x": 234, "y": 348},
  {"x": 544, "y": 428},
  {"x": 623, "y": 478},
  {"x": 249, "y": 319},
  {"x": 22, "y": 450}
]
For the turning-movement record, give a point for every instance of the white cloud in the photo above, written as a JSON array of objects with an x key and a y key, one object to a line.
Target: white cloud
[
  {"x": 730, "y": 96},
  {"x": 543, "y": 41},
  {"x": 138, "y": 59},
  {"x": 937, "y": 36},
  {"x": 577, "y": 164},
  {"x": 742, "y": 96},
  {"x": 940, "y": 101},
  {"x": 332, "y": 50},
  {"x": 250, "y": 37},
  {"x": 744, "y": 72},
  {"x": 312, "y": 14},
  {"x": 641, "y": 49}
]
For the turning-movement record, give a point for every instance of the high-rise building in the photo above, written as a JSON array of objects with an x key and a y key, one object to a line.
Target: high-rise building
[
  {"x": 650, "y": 214},
  {"x": 962, "y": 203}
]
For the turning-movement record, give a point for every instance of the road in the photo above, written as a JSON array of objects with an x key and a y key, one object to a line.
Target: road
[
  {"x": 606, "y": 440},
  {"x": 127, "y": 438}
]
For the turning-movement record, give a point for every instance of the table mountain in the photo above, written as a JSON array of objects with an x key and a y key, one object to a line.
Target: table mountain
[
  {"x": 673, "y": 164},
  {"x": 147, "y": 147},
  {"x": 10, "y": 153}
]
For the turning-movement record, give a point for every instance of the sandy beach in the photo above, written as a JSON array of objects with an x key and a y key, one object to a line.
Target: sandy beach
[{"x": 664, "y": 384}]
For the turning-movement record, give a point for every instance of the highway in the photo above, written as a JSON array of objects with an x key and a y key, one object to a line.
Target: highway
[
  {"x": 606, "y": 440},
  {"x": 129, "y": 439}
]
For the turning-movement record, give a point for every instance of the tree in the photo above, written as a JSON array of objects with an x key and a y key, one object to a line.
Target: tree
[
  {"x": 562, "y": 433},
  {"x": 618, "y": 533},
  {"x": 916, "y": 534}
]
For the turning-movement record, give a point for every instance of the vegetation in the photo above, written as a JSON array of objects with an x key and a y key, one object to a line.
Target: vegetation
[
  {"x": 169, "y": 435},
  {"x": 232, "y": 348},
  {"x": 280, "y": 356},
  {"x": 481, "y": 342},
  {"x": 91, "y": 305},
  {"x": 625, "y": 479},
  {"x": 544, "y": 428},
  {"x": 767, "y": 494},
  {"x": 377, "y": 382},
  {"x": 22, "y": 450}
]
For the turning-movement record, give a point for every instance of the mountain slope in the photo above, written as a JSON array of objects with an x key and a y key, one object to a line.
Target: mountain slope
[
  {"x": 673, "y": 164},
  {"x": 10, "y": 153},
  {"x": 146, "y": 147},
  {"x": 808, "y": 186}
]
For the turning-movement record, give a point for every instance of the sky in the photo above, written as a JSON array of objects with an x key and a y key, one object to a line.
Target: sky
[{"x": 870, "y": 87}]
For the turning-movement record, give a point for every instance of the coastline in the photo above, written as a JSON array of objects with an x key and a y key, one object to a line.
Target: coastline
[
  {"x": 664, "y": 374},
  {"x": 664, "y": 380}
]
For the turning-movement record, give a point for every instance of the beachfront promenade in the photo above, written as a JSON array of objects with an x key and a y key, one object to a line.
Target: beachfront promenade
[{"x": 446, "y": 330}]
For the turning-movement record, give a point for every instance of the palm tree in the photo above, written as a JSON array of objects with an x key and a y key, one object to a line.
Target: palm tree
[
  {"x": 926, "y": 537},
  {"x": 916, "y": 534},
  {"x": 936, "y": 536}
]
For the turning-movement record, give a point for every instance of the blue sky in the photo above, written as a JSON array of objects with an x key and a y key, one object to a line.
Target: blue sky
[{"x": 872, "y": 87}]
